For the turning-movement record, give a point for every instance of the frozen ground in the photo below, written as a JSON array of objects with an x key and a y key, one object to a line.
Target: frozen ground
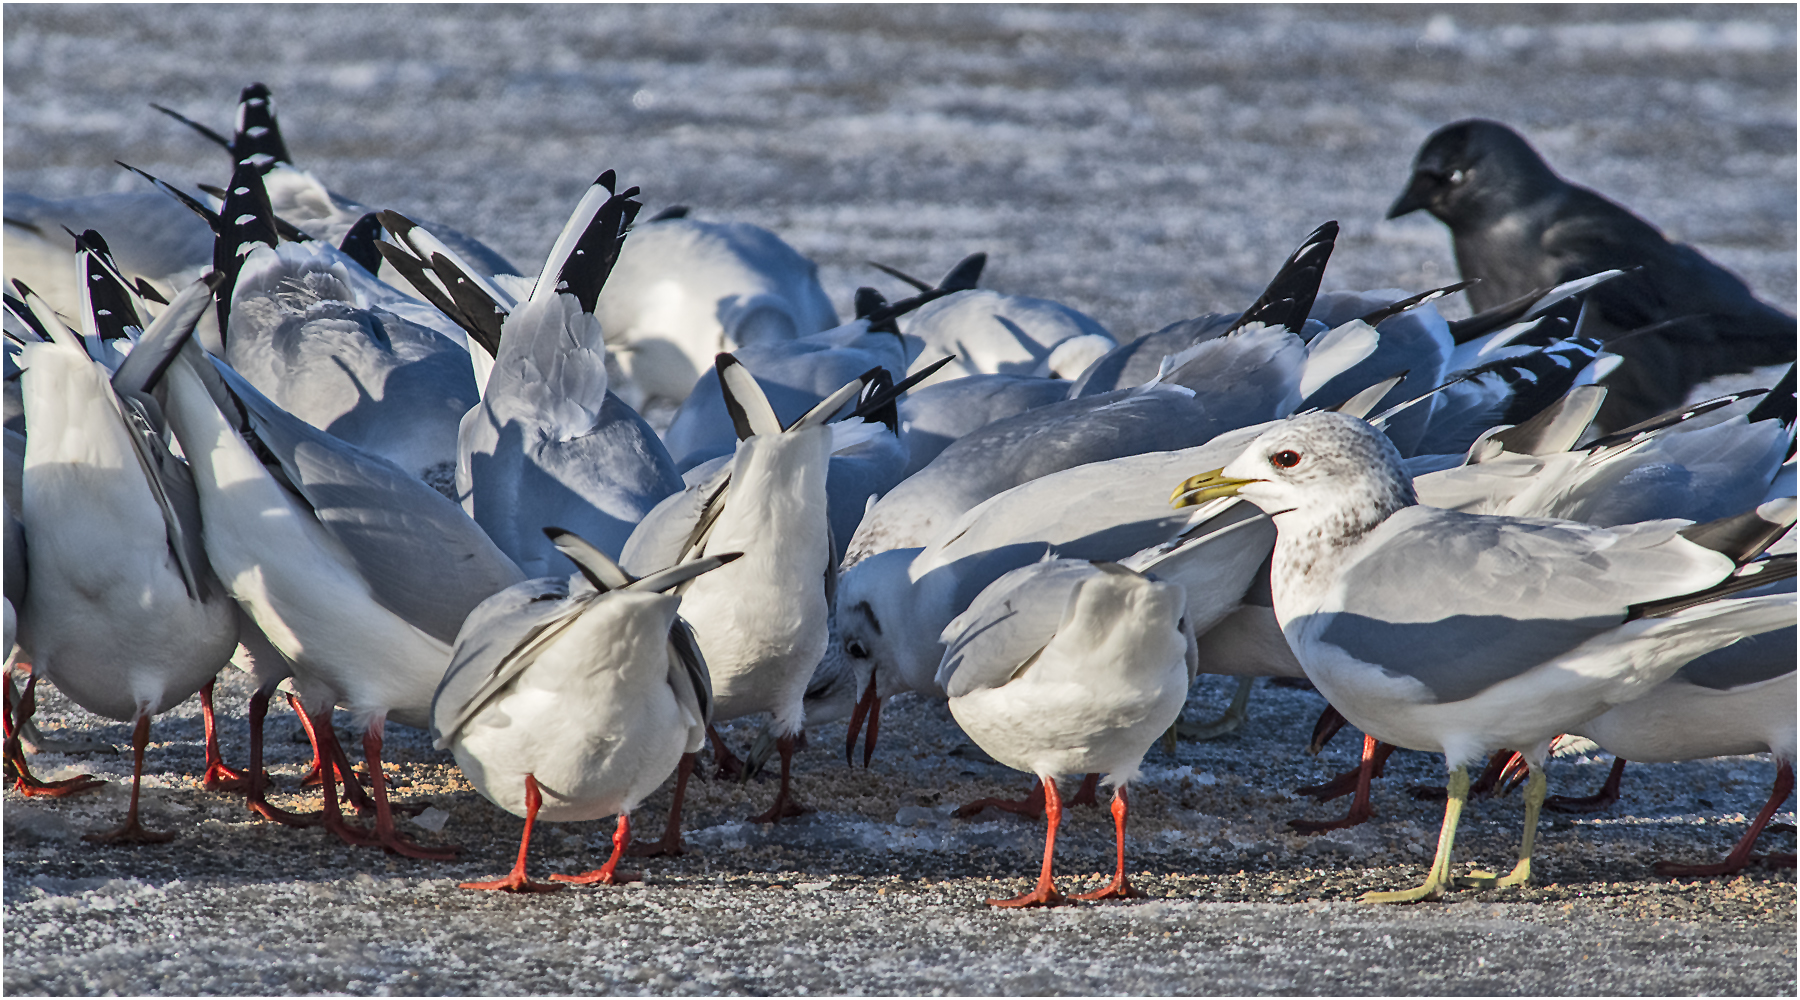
[{"x": 1143, "y": 165}]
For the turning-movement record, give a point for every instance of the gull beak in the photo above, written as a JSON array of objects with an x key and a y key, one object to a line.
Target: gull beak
[{"x": 1206, "y": 486}]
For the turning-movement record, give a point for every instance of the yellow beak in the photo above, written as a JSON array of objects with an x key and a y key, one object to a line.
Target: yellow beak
[{"x": 1206, "y": 486}]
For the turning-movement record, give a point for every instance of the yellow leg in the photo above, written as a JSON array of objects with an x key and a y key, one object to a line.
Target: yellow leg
[
  {"x": 1521, "y": 873},
  {"x": 1439, "y": 879},
  {"x": 1234, "y": 718}
]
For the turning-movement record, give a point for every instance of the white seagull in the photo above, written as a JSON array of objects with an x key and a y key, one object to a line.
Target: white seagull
[
  {"x": 1463, "y": 634},
  {"x": 573, "y": 699}
]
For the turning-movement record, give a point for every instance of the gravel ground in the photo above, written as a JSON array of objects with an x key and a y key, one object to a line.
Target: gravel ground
[{"x": 1142, "y": 165}]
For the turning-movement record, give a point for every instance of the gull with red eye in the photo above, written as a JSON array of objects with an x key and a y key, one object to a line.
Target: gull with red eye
[{"x": 1462, "y": 634}]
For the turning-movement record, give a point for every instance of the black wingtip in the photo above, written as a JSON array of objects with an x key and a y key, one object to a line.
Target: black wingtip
[
  {"x": 585, "y": 272},
  {"x": 740, "y": 419},
  {"x": 672, "y": 212},
  {"x": 878, "y": 384},
  {"x": 867, "y": 301},
  {"x": 1289, "y": 297},
  {"x": 1743, "y": 537},
  {"x": 212, "y": 136},
  {"x": 258, "y": 134},
  {"x": 359, "y": 243},
  {"x": 965, "y": 275},
  {"x": 1779, "y": 403},
  {"x": 148, "y": 292},
  {"x": 872, "y": 404}
]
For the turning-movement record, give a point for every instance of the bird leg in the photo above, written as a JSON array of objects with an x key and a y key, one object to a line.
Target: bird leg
[
  {"x": 609, "y": 873},
  {"x": 1439, "y": 878},
  {"x": 1046, "y": 893},
  {"x": 1375, "y": 755},
  {"x": 259, "y": 778},
  {"x": 1521, "y": 873},
  {"x": 1347, "y": 782},
  {"x": 218, "y": 777},
  {"x": 1740, "y": 856},
  {"x": 1492, "y": 782},
  {"x": 133, "y": 832},
  {"x": 784, "y": 804},
  {"x": 671, "y": 842},
  {"x": 869, "y": 706},
  {"x": 1233, "y": 720},
  {"x": 19, "y": 708},
  {"x": 385, "y": 832},
  {"x": 515, "y": 880},
  {"x": 327, "y": 748},
  {"x": 730, "y": 768},
  {"x": 1119, "y": 887},
  {"x": 1606, "y": 796},
  {"x": 1032, "y": 804}
]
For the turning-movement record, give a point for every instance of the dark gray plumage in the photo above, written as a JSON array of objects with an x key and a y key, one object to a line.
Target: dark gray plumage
[{"x": 1517, "y": 226}]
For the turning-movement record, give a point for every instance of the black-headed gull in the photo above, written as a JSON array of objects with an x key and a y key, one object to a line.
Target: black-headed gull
[{"x": 573, "y": 699}]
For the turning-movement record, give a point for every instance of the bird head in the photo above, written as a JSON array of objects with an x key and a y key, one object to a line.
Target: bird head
[{"x": 1472, "y": 169}]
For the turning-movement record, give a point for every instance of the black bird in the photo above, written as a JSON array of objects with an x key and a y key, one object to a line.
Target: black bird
[{"x": 1519, "y": 228}]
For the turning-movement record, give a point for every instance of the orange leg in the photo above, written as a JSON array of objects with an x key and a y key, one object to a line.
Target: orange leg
[
  {"x": 1741, "y": 856},
  {"x": 15, "y": 717},
  {"x": 1046, "y": 893},
  {"x": 326, "y": 747},
  {"x": 1119, "y": 887},
  {"x": 218, "y": 777},
  {"x": 515, "y": 880},
  {"x": 385, "y": 832},
  {"x": 1375, "y": 755},
  {"x": 609, "y": 873},
  {"x": 1089, "y": 792},
  {"x": 133, "y": 832},
  {"x": 671, "y": 843},
  {"x": 784, "y": 804}
]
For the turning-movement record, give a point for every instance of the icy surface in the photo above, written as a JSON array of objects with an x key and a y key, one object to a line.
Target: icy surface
[{"x": 1142, "y": 165}]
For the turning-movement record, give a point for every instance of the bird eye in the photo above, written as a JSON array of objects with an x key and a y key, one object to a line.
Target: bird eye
[
  {"x": 857, "y": 650},
  {"x": 1457, "y": 176},
  {"x": 1286, "y": 459}
]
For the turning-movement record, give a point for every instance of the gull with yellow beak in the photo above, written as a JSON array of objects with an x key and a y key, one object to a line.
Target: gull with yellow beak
[{"x": 1461, "y": 633}]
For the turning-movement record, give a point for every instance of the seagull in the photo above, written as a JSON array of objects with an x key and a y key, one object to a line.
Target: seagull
[
  {"x": 550, "y": 444},
  {"x": 761, "y": 622},
  {"x": 124, "y": 614},
  {"x": 992, "y": 333},
  {"x": 359, "y": 574},
  {"x": 1258, "y": 370},
  {"x": 573, "y": 699},
  {"x": 1518, "y": 227},
  {"x": 687, "y": 289},
  {"x": 1068, "y": 666},
  {"x": 1462, "y": 634}
]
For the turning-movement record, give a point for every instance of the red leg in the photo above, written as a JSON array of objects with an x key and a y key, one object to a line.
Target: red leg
[
  {"x": 315, "y": 775},
  {"x": 609, "y": 873},
  {"x": 730, "y": 767},
  {"x": 1741, "y": 856},
  {"x": 17, "y": 712},
  {"x": 1046, "y": 893},
  {"x": 1375, "y": 755},
  {"x": 218, "y": 777},
  {"x": 1089, "y": 792},
  {"x": 515, "y": 880},
  {"x": 326, "y": 749},
  {"x": 385, "y": 832},
  {"x": 784, "y": 804},
  {"x": 1119, "y": 887},
  {"x": 1491, "y": 782},
  {"x": 1031, "y": 805},
  {"x": 133, "y": 832},
  {"x": 671, "y": 843},
  {"x": 1347, "y": 782},
  {"x": 259, "y": 778},
  {"x": 1606, "y": 796}
]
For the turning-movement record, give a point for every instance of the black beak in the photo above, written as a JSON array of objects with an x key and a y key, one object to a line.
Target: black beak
[{"x": 1418, "y": 195}]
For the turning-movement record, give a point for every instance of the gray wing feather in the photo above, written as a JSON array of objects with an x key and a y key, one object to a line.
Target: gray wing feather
[
  {"x": 496, "y": 644},
  {"x": 1503, "y": 594},
  {"x": 421, "y": 556},
  {"x": 1008, "y": 625}
]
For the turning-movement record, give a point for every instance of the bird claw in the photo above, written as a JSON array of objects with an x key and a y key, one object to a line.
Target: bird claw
[
  {"x": 1043, "y": 895},
  {"x": 131, "y": 833},
  {"x": 1119, "y": 888},
  {"x": 514, "y": 882},
  {"x": 601, "y": 876}
]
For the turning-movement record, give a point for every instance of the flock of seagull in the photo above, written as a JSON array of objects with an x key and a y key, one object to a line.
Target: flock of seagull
[{"x": 379, "y": 467}]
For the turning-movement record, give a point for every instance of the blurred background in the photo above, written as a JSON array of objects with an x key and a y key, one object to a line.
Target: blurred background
[{"x": 1140, "y": 164}]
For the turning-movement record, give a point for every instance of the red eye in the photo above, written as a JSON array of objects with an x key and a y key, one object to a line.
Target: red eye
[{"x": 1285, "y": 459}]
